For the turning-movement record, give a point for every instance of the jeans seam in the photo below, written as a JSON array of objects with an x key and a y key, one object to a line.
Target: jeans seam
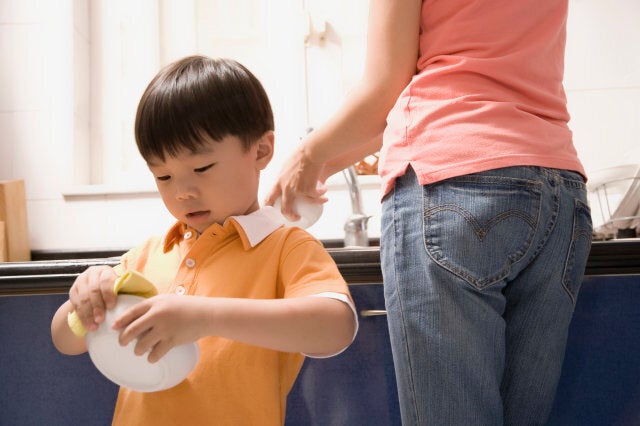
[
  {"x": 551, "y": 224},
  {"x": 569, "y": 262},
  {"x": 402, "y": 311}
]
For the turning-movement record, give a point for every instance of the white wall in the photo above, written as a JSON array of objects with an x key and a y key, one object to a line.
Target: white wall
[
  {"x": 44, "y": 95},
  {"x": 602, "y": 80}
]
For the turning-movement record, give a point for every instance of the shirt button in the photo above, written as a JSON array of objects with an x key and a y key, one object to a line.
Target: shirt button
[
  {"x": 190, "y": 263},
  {"x": 188, "y": 235},
  {"x": 180, "y": 290}
]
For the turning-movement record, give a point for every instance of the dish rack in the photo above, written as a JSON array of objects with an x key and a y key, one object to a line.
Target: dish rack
[{"x": 614, "y": 195}]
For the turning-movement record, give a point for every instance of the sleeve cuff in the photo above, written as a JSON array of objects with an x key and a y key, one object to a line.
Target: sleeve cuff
[{"x": 345, "y": 299}]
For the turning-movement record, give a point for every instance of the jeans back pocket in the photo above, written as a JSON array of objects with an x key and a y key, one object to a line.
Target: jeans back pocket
[{"x": 478, "y": 226}]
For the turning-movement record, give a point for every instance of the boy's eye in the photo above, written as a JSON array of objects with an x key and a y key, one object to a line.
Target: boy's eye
[
  {"x": 163, "y": 178},
  {"x": 203, "y": 169}
]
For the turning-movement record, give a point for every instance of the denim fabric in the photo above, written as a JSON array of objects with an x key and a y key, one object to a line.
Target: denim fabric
[{"x": 481, "y": 275}]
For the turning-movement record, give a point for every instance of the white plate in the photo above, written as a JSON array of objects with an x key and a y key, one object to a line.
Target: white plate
[
  {"x": 309, "y": 213},
  {"x": 123, "y": 367}
]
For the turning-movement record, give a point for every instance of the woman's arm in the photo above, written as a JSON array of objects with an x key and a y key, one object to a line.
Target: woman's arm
[
  {"x": 347, "y": 159},
  {"x": 392, "y": 54}
]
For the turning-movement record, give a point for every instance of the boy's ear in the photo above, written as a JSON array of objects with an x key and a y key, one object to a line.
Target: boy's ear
[{"x": 264, "y": 153}]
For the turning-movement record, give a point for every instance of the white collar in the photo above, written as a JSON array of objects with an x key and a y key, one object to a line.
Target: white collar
[{"x": 260, "y": 224}]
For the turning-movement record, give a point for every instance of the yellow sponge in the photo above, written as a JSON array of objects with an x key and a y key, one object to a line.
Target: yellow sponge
[{"x": 131, "y": 282}]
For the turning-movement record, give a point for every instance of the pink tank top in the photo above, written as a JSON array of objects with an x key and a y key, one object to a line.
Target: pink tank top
[{"x": 488, "y": 92}]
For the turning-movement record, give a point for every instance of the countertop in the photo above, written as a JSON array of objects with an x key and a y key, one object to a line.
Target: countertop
[{"x": 51, "y": 272}]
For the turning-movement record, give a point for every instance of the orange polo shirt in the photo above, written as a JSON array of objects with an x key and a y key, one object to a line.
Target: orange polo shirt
[{"x": 249, "y": 256}]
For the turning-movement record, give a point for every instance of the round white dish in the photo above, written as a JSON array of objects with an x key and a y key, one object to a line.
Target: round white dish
[
  {"x": 123, "y": 367},
  {"x": 309, "y": 213}
]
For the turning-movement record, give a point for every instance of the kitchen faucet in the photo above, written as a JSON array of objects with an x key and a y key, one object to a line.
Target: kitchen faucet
[{"x": 355, "y": 228}]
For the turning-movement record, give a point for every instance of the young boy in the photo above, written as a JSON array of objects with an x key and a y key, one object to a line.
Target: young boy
[{"x": 253, "y": 294}]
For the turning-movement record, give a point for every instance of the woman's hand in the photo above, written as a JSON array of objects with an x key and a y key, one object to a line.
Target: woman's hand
[{"x": 299, "y": 178}]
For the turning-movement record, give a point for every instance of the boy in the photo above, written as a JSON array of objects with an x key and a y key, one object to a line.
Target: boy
[{"x": 253, "y": 294}]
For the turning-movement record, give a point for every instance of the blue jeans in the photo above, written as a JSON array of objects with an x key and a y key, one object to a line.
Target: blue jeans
[{"x": 481, "y": 275}]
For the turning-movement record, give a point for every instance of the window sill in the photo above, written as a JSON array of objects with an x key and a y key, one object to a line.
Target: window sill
[
  {"x": 338, "y": 182},
  {"x": 92, "y": 191}
]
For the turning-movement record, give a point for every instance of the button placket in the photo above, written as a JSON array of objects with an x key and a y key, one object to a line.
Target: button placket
[{"x": 185, "y": 277}]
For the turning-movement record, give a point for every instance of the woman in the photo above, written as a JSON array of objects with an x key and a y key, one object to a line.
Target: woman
[{"x": 485, "y": 223}]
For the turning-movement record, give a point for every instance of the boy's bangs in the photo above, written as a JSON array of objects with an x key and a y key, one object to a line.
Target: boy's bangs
[
  {"x": 197, "y": 100},
  {"x": 173, "y": 121},
  {"x": 171, "y": 135}
]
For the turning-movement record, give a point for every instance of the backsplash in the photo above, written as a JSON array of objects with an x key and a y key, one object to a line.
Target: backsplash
[{"x": 46, "y": 136}]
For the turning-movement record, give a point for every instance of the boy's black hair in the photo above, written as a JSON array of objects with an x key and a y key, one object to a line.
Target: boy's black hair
[{"x": 197, "y": 97}]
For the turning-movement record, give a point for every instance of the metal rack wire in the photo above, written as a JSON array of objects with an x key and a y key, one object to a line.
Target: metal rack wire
[{"x": 616, "y": 191}]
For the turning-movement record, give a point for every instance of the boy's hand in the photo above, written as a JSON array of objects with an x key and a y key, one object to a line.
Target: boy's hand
[
  {"x": 160, "y": 323},
  {"x": 92, "y": 294}
]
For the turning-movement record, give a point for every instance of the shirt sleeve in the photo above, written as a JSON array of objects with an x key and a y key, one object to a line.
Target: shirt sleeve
[
  {"x": 307, "y": 269},
  {"x": 341, "y": 297}
]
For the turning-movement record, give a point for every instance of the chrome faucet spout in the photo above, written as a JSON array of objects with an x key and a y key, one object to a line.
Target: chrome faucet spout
[
  {"x": 355, "y": 228},
  {"x": 351, "y": 178}
]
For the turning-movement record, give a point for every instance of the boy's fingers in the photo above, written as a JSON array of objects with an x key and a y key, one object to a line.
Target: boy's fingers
[
  {"x": 101, "y": 294},
  {"x": 107, "y": 280},
  {"x": 85, "y": 313},
  {"x": 96, "y": 306},
  {"x": 128, "y": 322},
  {"x": 145, "y": 343},
  {"x": 158, "y": 351}
]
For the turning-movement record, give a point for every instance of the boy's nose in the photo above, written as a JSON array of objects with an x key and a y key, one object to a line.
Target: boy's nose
[{"x": 185, "y": 192}]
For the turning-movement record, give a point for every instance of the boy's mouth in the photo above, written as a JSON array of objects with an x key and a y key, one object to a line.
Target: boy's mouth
[{"x": 198, "y": 214}]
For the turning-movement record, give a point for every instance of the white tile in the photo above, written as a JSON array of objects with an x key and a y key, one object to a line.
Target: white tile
[
  {"x": 605, "y": 126},
  {"x": 44, "y": 164},
  {"x": 131, "y": 220},
  {"x": 56, "y": 224},
  {"x": 21, "y": 11},
  {"x": 21, "y": 68},
  {"x": 26, "y": 140},
  {"x": 81, "y": 77},
  {"x": 602, "y": 44},
  {"x": 81, "y": 18},
  {"x": 81, "y": 151},
  {"x": 100, "y": 222},
  {"x": 7, "y": 138}
]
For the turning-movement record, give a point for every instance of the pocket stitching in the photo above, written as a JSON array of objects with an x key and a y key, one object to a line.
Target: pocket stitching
[
  {"x": 577, "y": 234},
  {"x": 510, "y": 259}
]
